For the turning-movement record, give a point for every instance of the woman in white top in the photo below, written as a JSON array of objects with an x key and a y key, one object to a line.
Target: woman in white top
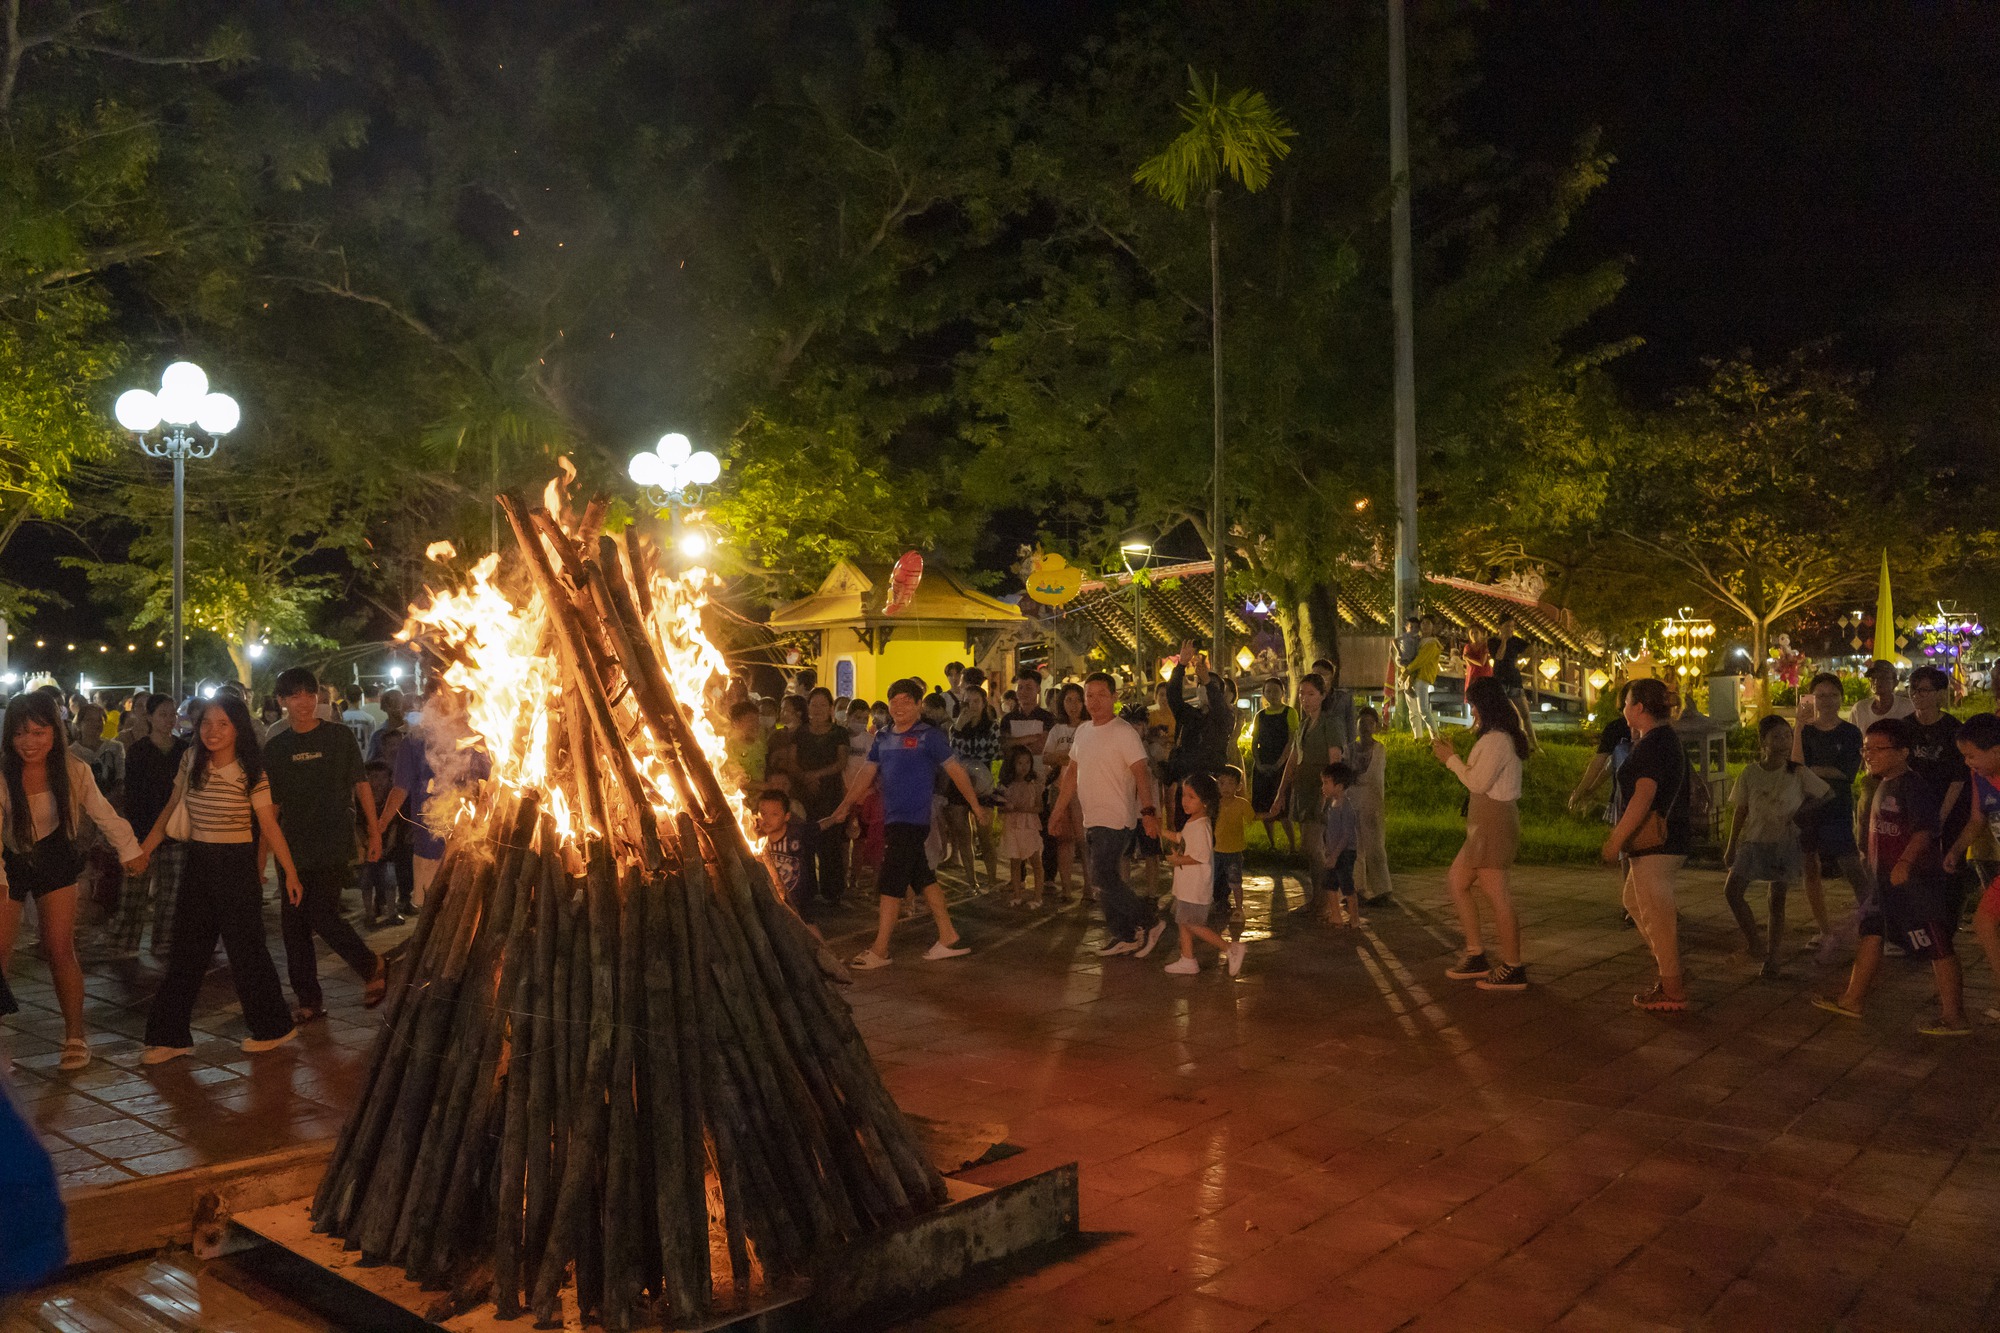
[
  {"x": 1492, "y": 778},
  {"x": 228, "y": 803},
  {"x": 43, "y": 803}
]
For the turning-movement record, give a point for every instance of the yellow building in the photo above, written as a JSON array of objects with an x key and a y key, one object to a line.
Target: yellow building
[{"x": 859, "y": 650}]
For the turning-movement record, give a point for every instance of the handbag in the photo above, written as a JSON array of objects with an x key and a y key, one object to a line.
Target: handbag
[
  {"x": 179, "y": 827},
  {"x": 1652, "y": 834}
]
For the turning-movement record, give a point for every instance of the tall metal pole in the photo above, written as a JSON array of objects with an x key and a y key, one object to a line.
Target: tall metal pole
[
  {"x": 1407, "y": 592},
  {"x": 1138, "y": 637},
  {"x": 1218, "y": 517},
  {"x": 180, "y": 488}
]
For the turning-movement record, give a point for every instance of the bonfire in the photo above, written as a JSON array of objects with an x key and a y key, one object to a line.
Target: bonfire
[{"x": 613, "y": 1077}]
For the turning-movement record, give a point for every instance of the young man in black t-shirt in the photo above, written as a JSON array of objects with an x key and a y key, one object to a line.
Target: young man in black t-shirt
[
  {"x": 1830, "y": 746},
  {"x": 1907, "y": 865},
  {"x": 1934, "y": 757}
]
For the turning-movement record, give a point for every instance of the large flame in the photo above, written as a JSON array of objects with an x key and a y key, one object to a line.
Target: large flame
[{"x": 504, "y": 664}]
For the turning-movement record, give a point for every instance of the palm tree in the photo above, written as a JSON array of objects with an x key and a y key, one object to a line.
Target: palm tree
[{"x": 1242, "y": 136}]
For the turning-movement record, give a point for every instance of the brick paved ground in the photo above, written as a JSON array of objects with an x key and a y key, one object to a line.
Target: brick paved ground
[
  {"x": 1339, "y": 1139},
  {"x": 117, "y": 1120}
]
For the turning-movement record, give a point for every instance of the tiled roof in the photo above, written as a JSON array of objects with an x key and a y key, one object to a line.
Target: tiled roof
[{"x": 1179, "y": 606}]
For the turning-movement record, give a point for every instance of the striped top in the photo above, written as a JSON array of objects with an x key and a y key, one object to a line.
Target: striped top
[{"x": 216, "y": 809}]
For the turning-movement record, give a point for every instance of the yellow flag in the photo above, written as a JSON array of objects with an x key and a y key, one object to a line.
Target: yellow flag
[{"x": 1885, "y": 619}]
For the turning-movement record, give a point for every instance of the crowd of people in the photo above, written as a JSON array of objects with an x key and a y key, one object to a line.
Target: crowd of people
[{"x": 156, "y": 825}]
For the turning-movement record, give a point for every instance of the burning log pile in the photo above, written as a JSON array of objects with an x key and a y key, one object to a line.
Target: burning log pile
[{"x": 612, "y": 1057}]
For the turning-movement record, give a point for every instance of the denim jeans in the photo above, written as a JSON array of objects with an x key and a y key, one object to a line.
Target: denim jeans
[{"x": 1125, "y": 913}]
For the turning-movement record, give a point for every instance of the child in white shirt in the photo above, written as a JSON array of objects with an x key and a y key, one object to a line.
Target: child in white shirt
[{"x": 1194, "y": 876}]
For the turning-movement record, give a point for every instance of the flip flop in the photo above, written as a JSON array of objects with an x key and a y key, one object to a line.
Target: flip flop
[
  {"x": 1834, "y": 1007},
  {"x": 75, "y": 1055},
  {"x": 1657, "y": 1001},
  {"x": 1943, "y": 1029}
]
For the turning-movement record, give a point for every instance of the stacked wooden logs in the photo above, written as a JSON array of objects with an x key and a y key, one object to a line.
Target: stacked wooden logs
[{"x": 613, "y": 1060}]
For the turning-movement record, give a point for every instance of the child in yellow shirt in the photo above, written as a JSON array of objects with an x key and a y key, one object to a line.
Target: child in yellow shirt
[{"x": 1232, "y": 818}]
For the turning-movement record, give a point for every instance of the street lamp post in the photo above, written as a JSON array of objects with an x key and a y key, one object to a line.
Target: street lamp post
[
  {"x": 182, "y": 402},
  {"x": 667, "y": 473},
  {"x": 1141, "y": 548}
]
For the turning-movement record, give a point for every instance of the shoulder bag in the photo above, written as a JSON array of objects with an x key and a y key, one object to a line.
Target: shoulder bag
[
  {"x": 179, "y": 827},
  {"x": 1652, "y": 834}
]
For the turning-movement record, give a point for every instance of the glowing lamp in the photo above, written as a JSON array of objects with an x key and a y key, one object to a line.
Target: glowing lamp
[
  {"x": 137, "y": 410},
  {"x": 217, "y": 413},
  {"x": 646, "y": 469},
  {"x": 1598, "y": 678},
  {"x": 1550, "y": 668},
  {"x": 1244, "y": 658},
  {"x": 694, "y": 543}
]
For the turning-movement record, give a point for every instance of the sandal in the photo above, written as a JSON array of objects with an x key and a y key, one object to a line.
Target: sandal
[
  {"x": 378, "y": 985},
  {"x": 1657, "y": 1001},
  {"x": 75, "y": 1055},
  {"x": 1833, "y": 1006},
  {"x": 307, "y": 1013}
]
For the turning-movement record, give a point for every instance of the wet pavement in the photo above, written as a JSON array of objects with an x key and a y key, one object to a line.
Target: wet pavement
[{"x": 1340, "y": 1138}]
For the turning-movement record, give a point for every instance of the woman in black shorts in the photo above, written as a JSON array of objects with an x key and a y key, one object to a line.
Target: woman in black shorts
[
  {"x": 1271, "y": 730},
  {"x": 43, "y": 802}
]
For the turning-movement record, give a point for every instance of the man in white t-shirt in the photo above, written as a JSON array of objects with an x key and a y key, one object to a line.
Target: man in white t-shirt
[
  {"x": 1884, "y": 702},
  {"x": 1108, "y": 775}
]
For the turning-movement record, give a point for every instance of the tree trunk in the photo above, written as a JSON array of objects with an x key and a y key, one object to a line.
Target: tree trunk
[
  {"x": 1284, "y": 610},
  {"x": 1319, "y": 618}
]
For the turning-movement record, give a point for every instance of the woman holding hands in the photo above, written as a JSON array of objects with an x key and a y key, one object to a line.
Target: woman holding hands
[{"x": 1492, "y": 778}]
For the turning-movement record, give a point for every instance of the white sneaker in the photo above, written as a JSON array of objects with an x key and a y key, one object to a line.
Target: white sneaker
[
  {"x": 867, "y": 961},
  {"x": 1117, "y": 947},
  {"x": 159, "y": 1055},
  {"x": 1152, "y": 938},
  {"x": 258, "y": 1045},
  {"x": 1182, "y": 967},
  {"x": 940, "y": 951},
  {"x": 1236, "y": 952}
]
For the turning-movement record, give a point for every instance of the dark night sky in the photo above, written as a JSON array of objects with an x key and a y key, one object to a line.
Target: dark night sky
[{"x": 1785, "y": 171}]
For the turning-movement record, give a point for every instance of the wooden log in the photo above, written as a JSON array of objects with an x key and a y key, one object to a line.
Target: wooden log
[
  {"x": 653, "y": 693},
  {"x": 381, "y": 1065},
  {"x": 624, "y": 1167},
  {"x": 638, "y": 570},
  {"x": 539, "y": 1194},
  {"x": 566, "y": 1235},
  {"x": 390, "y": 1175},
  {"x": 663, "y": 1083},
  {"x": 799, "y": 1189},
  {"x": 577, "y": 588},
  {"x": 687, "y": 1034},
  {"x": 841, "y": 1047},
  {"x": 576, "y": 652},
  {"x": 354, "y": 1170},
  {"x": 469, "y": 1054},
  {"x": 811, "y": 1102},
  {"x": 518, "y": 984}
]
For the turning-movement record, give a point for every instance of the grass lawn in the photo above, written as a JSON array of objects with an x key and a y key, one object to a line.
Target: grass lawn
[{"x": 1425, "y": 823}]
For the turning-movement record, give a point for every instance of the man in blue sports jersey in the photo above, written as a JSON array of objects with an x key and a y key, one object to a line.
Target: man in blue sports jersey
[{"x": 906, "y": 759}]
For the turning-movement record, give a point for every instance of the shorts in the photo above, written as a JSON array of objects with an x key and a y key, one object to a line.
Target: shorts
[
  {"x": 905, "y": 868},
  {"x": 1339, "y": 877},
  {"x": 1913, "y": 916},
  {"x": 1190, "y": 914},
  {"x": 1989, "y": 901},
  {"x": 1228, "y": 878},
  {"x": 50, "y": 864},
  {"x": 1768, "y": 863}
]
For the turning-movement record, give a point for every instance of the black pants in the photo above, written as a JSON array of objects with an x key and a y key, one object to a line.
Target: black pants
[
  {"x": 830, "y": 864},
  {"x": 219, "y": 898},
  {"x": 318, "y": 913},
  {"x": 404, "y": 860}
]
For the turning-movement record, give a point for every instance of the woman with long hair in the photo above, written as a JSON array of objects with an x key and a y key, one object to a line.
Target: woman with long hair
[
  {"x": 47, "y": 795},
  {"x": 228, "y": 803},
  {"x": 1655, "y": 835},
  {"x": 1492, "y": 778},
  {"x": 1070, "y": 715},
  {"x": 1319, "y": 739},
  {"x": 975, "y": 739}
]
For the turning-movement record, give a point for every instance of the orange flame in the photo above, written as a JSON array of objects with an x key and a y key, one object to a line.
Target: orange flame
[{"x": 506, "y": 668}]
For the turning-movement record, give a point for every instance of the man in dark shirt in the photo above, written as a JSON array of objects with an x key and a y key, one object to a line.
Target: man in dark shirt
[
  {"x": 1908, "y": 902},
  {"x": 316, "y": 776},
  {"x": 151, "y": 763},
  {"x": 818, "y": 758},
  {"x": 1830, "y": 746},
  {"x": 788, "y": 854},
  {"x": 1934, "y": 757}
]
